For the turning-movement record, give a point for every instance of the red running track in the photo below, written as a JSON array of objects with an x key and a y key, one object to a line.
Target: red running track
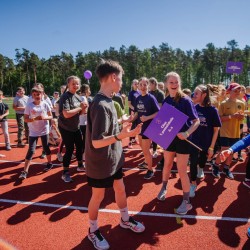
[{"x": 43, "y": 212}]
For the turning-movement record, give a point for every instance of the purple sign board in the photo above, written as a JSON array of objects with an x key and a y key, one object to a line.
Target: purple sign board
[
  {"x": 234, "y": 67},
  {"x": 166, "y": 125}
]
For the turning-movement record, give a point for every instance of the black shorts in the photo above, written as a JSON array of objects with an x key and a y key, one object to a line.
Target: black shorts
[
  {"x": 107, "y": 182},
  {"x": 228, "y": 142},
  {"x": 179, "y": 146}
]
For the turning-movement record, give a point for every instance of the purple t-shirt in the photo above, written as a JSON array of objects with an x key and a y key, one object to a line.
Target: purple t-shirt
[
  {"x": 186, "y": 106},
  {"x": 146, "y": 105},
  {"x": 133, "y": 94},
  {"x": 209, "y": 118}
]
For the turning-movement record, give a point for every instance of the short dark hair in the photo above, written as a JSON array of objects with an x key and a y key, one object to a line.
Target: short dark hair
[{"x": 107, "y": 67}]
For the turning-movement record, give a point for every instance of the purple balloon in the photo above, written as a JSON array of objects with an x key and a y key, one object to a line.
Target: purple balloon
[{"x": 87, "y": 74}]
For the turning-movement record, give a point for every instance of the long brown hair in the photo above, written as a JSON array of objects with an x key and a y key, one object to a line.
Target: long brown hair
[{"x": 208, "y": 89}]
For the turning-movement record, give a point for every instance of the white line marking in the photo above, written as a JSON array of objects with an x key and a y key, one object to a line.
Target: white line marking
[
  {"x": 133, "y": 169},
  {"x": 200, "y": 217}
]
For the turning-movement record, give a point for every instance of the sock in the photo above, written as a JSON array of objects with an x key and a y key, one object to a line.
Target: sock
[
  {"x": 124, "y": 214},
  {"x": 186, "y": 196},
  {"x": 93, "y": 226}
]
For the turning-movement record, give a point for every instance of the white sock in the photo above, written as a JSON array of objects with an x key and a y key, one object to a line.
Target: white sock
[
  {"x": 93, "y": 226},
  {"x": 124, "y": 214}
]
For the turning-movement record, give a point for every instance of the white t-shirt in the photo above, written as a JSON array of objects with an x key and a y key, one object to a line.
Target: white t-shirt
[
  {"x": 83, "y": 117},
  {"x": 40, "y": 127}
]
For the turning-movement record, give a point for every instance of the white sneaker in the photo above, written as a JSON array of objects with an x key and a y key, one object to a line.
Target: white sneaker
[
  {"x": 98, "y": 240},
  {"x": 200, "y": 173},
  {"x": 133, "y": 225},
  {"x": 59, "y": 157},
  {"x": 155, "y": 155},
  {"x": 73, "y": 157},
  {"x": 193, "y": 188}
]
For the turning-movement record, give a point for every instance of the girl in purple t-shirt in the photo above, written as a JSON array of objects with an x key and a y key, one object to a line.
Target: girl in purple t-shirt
[
  {"x": 206, "y": 134},
  {"x": 179, "y": 147},
  {"x": 146, "y": 108}
]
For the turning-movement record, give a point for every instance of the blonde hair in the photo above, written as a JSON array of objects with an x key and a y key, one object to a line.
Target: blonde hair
[{"x": 179, "y": 93}]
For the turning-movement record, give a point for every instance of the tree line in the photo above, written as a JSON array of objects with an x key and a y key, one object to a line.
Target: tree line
[{"x": 194, "y": 66}]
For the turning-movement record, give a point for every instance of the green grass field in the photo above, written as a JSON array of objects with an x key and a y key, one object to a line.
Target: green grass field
[{"x": 9, "y": 101}]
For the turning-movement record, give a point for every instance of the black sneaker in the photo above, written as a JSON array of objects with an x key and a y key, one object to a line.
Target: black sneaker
[
  {"x": 149, "y": 175},
  {"x": 143, "y": 165},
  {"x": 48, "y": 167},
  {"x": 216, "y": 172},
  {"x": 228, "y": 173},
  {"x": 98, "y": 240}
]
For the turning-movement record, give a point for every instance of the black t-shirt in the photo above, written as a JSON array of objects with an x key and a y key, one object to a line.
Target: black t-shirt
[
  {"x": 3, "y": 108},
  {"x": 69, "y": 101},
  {"x": 101, "y": 122},
  {"x": 159, "y": 95}
]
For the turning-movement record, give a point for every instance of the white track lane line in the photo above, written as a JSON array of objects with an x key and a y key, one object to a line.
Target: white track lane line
[{"x": 150, "y": 214}]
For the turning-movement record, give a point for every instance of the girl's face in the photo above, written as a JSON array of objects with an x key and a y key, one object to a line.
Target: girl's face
[
  {"x": 172, "y": 85},
  {"x": 37, "y": 96},
  {"x": 73, "y": 86},
  {"x": 143, "y": 86},
  {"x": 198, "y": 96}
]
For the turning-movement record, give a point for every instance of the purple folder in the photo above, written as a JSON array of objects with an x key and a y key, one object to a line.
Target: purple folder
[{"x": 166, "y": 125}]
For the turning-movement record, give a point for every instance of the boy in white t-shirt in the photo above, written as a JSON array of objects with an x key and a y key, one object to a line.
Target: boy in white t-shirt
[{"x": 37, "y": 114}]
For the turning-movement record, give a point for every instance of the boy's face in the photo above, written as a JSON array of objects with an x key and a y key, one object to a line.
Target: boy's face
[
  {"x": 117, "y": 82},
  {"x": 21, "y": 92}
]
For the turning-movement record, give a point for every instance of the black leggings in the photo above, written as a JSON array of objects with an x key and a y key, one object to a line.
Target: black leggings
[
  {"x": 248, "y": 167},
  {"x": 70, "y": 140},
  {"x": 32, "y": 145},
  {"x": 196, "y": 158}
]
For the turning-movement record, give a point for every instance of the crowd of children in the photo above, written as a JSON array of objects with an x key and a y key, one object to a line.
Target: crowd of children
[{"x": 90, "y": 127}]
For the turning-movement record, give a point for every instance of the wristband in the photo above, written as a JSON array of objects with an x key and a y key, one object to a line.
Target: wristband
[
  {"x": 187, "y": 134},
  {"x": 211, "y": 149},
  {"x": 231, "y": 151},
  {"x": 115, "y": 136}
]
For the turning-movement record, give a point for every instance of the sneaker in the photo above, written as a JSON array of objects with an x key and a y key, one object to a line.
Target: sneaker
[
  {"x": 80, "y": 167},
  {"x": 133, "y": 225},
  {"x": 59, "y": 157},
  {"x": 98, "y": 240},
  {"x": 130, "y": 146},
  {"x": 73, "y": 157},
  {"x": 184, "y": 207},
  {"x": 143, "y": 165},
  {"x": 48, "y": 167},
  {"x": 149, "y": 175},
  {"x": 23, "y": 175},
  {"x": 43, "y": 155},
  {"x": 246, "y": 183},
  {"x": 192, "y": 190},
  {"x": 228, "y": 173},
  {"x": 216, "y": 172},
  {"x": 155, "y": 155},
  {"x": 66, "y": 177},
  {"x": 200, "y": 173},
  {"x": 8, "y": 147},
  {"x": 248, "y": 232},
  {"x": 20, "y": 144},
  {"x": 162, "y": 195},
  {"x": 240, "y": 159}
]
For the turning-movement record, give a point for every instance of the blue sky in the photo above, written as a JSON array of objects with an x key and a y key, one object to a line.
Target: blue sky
[{"x": 50, "y": 27}]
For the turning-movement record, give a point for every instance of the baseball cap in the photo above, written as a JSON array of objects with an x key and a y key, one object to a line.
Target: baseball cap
[{"x": 233, "y": 86}]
